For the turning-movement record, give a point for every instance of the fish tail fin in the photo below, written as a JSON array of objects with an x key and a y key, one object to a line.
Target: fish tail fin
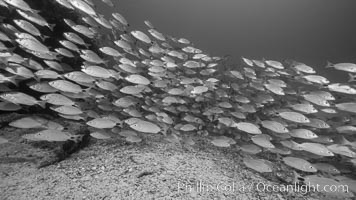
[
  {"x": 51, "y": 26},
  {"x": 351, "y": 77},
  {"x": 117, "y": 76},
  {"x": 2, "y": 18},
  {"x": 4, "y": 60},
  {"x": 297, "y": 179},
  {"x": 288, "y": 104},
  {"x": 87, "y": 45},
  {"x": 106, "y": 62},
  {"x": 44, "y": 37},
  {"x": 42, "y": 104},
  {"x": 113, "y": 34},
  {"x": 35, "y": 11},
  {"x": 300, "y": 91},
  {"x": 12, "y": 49},
  {"x": 26, "y": 62},
  {"x": 89, "y": 88},
  {"x": 323, "y": 86},
  {"x": 258, "y": 120},
  {"x": 328, "y": 64},
  {"x": 37, "y": 79},
  {"x": 84, "y": 117},
  {"x": 61, "y": 76},
  {"x": 353, "y": 145},
  {"x": 13, "y": 80}
]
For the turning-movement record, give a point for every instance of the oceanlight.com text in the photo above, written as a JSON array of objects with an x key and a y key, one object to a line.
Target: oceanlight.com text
[{"x": 241, "y": 187}]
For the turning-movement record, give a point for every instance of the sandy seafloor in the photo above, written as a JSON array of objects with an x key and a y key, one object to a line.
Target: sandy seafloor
[{"x": 116, "y": 169}]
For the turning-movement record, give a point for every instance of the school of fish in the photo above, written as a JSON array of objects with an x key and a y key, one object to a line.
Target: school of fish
[{"x": 99, "y": 70}]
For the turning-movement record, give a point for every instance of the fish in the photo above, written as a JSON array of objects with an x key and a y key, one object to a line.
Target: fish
[
  {"x": 43, "y": 87},
  {"x": 199, "y": 89},
  {"x": 127, "y": 133},
  {"x": 105, "y": 85},
  {"x": 79, "y": 77},
  {"x": 262, "y": 140},
  {"x": 49, "y": 135},
  {"x": 100, "y": 134},
  {"x": 347, "y": 107},
  {"x": 65, "y": 86},
  {"x": 3, "y": 140},
  {"x": 187, "y": 127},
  {"x": 221, "y": 142},
  {"x": 20, "y": 4},
  {"x": 294, "y": 117},
  {"x": 275, "y": 64},
  {"x": 64, "y": 52},
  {"x": 322, "y": 139},
  {"x": 66, "y": 4},
  {"x": 304, "y": 107},
  {"x": 248, "y": 127},
  {"x": 274, "y": 126},
  {"x": 69, "y": 45},
  {"x": 83, "y": 6},
  {"x": 8, "y": 106},
  {"x": 110, "y": 51},
  {"x": 137, "y": 79},
  {"x": 317, "y": 123},
  {"x": 316, "y": 148},
  {"x": 27, "y": 122},
  {"x": 57, "y": 99},
  {"x": 159, "y": 36},
  {"x": 101, "y": 123},
  {"x": 73, "y": 37},
  {"x": 133, "y": 139},
  {"x": 342, "y": 88},
  {"x": 291, "y": 145},
  {"x": 347, "y": 129},
  {"x": 32, "y": 45},
  {"x": 67, "y": 110},
  {"x": 250, "y": 148},
  {"x": 100, "y": 19},
  {"x": 126, "y": 101},
  {"x": 317, "y": 99},
  {"x": 97, "y": 71},
  {"x": 259, "y": 165},
  {"x": 142, "y": 125},
  {"x": 316, "y": 79},
  {"x": 302, "y": 133},
  {"x": 20, "y": 71},
  {"x": 342, "y": 150},
  {"x": 323, "y": 94},
  {"x": 84, "y": 31},
  {"x": 346, "y": 67},
  {"x": 301, "y": 67},
  {"x": 21, "y": 99},
  {"x": 132, "y": 90},
  {"x": 325, "y": 167},
  {"x": 47, "y": 74},
  {"x": 120, "y": 18},
  {"x": 141, "y": 36},
  {"x": 299, "y": 163},
  {"x": 109, "y": 3}
]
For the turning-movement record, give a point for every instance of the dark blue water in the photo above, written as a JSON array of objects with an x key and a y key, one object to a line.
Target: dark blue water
[{"x": 310, "y": 31}]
